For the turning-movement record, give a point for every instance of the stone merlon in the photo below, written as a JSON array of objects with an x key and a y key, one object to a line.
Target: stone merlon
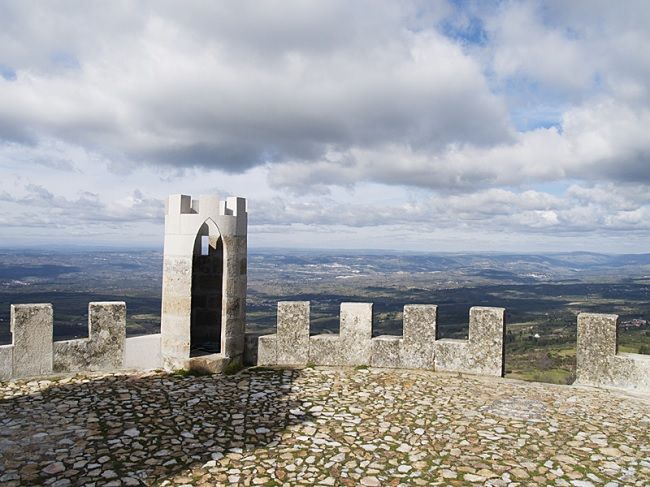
[
  {"x": 418, "y": 348},
  {"x": 598, "y": 362}
]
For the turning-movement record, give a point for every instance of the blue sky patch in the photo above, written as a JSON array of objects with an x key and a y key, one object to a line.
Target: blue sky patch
[
  {"x": 64, "y": 59},
  {"x": 7, "y": 73},
  {"x": 464, "y": 27}
]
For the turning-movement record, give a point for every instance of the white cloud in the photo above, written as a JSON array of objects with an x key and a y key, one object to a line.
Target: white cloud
[
  {"x": 165, "y": 92},
  {"x": 332, "y": 115},
  {"x": 596, "y": 142},
  {"x": 523, "y": 46},
  {"x": 597, "y": 209}
]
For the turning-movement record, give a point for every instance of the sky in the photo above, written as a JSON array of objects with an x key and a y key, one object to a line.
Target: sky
[{"x": 435, "y": 126}]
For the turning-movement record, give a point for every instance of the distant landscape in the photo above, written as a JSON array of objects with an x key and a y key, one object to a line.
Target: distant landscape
[{"x": 542, "y": 293}]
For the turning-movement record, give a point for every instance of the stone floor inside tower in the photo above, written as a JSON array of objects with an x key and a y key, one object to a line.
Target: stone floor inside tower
[{"x": 318, "y": 426}]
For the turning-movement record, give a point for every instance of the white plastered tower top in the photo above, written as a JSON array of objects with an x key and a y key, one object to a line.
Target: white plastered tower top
[{"x": 184, "y": 215}]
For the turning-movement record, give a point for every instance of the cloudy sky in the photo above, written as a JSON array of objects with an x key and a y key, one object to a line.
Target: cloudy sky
[{"x": 513, "y": 126}]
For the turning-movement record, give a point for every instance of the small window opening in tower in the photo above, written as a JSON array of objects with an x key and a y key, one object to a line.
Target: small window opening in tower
[
  {"x": 205, "y": 245},
  {"x": 207, "y": 289}
]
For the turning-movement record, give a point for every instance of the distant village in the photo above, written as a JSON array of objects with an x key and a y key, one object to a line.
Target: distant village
[{"x": 635, "y": 323}]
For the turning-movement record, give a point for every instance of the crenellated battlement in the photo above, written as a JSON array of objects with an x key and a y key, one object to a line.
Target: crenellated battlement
[
  {"x": 207, "y": 205},
  {"x": 34, "y": 353},
  {"x": 185, "y": 216},
  {"x": 418, "y": 347},
  {"x": 203, "y": 319}
]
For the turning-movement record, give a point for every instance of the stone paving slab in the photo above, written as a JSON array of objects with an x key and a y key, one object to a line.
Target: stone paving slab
[{"x": 318, "y": 426}]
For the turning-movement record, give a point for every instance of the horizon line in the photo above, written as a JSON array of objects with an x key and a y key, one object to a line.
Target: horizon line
[{"x": 121, "y": 248}]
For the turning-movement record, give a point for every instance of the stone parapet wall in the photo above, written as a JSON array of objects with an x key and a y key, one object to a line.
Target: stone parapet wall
[
  {"x": 34, "y": 353},
  {"x": 351, "y": 347},
  {"x": 483, "y": 352},
  {"x": 104, "y": 347},
  {"x": 142, "y": 352},
  {"x": 32, "y": 330},
  {"x": 417, "y": 348},
  {"x": 598, "y": 362}
]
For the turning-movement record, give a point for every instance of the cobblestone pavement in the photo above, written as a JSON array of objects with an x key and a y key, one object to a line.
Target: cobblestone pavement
[{"x": 318, "y": 427}]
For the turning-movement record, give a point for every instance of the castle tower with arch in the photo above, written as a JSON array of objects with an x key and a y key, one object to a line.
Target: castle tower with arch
[{"x": 204, "y": 282}]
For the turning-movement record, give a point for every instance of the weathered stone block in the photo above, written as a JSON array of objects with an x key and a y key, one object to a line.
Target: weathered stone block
[
  {"x": 596, "y": 343},
  {"x": 386, "y": 351},
  {"x": 104, "y": 347},
  {"x": 32, "y": 329},
  {"x": 71, "y": 355},
  {"x": 175, "y": 363},
  {"x": 174, "y": 346},
  {"x": 418, "y": 346},
  {"x": 356, "y": 333},
  {"x": 629, "y": 371},
  {"x": 352, "y": 346},
  {"x": 483, "y": 352},
  {"x": 326, "y": 350},
  {"x": 236, "y": 287},
  {"x": 6, "y": 361},
  {"x": 487, "y": 327},
  {"x": 177, "y": 277},
  {"x": 107, "y": 327},
  {"x": 452, "y": 355},
  {"x": 597, "y": 360},
  {"x": 267, "y": 352},
  {"x": 233, "y": 307},
  {"x": 293, "y": 333},
  {"x": 209, "y": 364}
]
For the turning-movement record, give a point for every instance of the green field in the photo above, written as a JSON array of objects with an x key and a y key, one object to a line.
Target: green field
[{"x": 555, "y": 361}]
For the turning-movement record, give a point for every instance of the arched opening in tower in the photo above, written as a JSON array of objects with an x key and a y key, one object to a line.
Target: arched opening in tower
[{"x": 207, "y": 290}]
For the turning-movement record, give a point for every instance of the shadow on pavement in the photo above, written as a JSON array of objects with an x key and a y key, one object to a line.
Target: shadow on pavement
[{"x": 139, "y": 429}]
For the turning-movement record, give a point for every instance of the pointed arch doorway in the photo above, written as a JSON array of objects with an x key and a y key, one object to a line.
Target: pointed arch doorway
[{"x": 207, "y": 291}]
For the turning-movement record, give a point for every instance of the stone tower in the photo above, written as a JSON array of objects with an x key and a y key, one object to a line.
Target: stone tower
[{"x": 204, "y": 282}]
